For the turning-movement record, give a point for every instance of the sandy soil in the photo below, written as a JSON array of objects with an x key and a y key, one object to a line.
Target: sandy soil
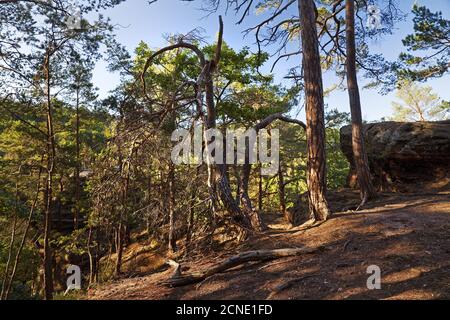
[{"x": 407, "y": 236}]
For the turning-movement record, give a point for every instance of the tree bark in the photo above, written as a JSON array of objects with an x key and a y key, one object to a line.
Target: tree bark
[
  {"x": 97, "y": 256},
  {"x": 246, "y": 203},
  {"x": 24, "y": 236},
  {"x": 172, "y": 239},
  {"x": 122, "y": 215},
  {"x": 11, "y": 243},
  {"x": 77, "y": 165},
  {"x": 315, "y": 128},
  {"x": 260, "y": 188},
  {"x": 282, "y": 193},
  {"x": 255, "y": 218},
  {"x": 359, "y": 152},
  {"x": 51, "y": 148},
  {"x": 190, "y": 220},
  {"x": 218, "y": 183},
  {"x": 119, "y": 245},
  {"x": 91, "y": 258}
]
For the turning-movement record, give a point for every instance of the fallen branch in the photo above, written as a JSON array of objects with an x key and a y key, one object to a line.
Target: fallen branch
[{"x": 234, "y": 261}]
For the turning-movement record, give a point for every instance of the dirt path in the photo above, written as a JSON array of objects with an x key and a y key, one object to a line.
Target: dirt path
[{"x": 408, "y": 237}]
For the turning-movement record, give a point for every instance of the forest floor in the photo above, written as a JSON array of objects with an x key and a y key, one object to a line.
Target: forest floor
[{"x": 406, "y": 235}]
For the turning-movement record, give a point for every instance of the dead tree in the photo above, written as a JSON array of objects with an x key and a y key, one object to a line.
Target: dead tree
[
  {"x": 51, "y": 164},
  {"x": 13, "y": 237},
  {"x": 218, "y": 183}
]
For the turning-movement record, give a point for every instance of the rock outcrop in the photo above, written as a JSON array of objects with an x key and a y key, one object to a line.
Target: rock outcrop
[{"x": 402, "y": 154}]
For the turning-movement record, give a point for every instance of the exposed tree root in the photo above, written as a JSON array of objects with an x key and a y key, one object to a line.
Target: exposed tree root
[
  {"x": 178, "y": 280},
  {"x": 286, "y": 285},
  {"x": 307, "y": 225},
  {"x": 363, "y": 202},
  {"x": 346, "y": 244},
  {"x": 176, "y": 268}
]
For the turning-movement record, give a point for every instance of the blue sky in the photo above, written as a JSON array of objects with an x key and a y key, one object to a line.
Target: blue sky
[{"x": 137, "y": 21}]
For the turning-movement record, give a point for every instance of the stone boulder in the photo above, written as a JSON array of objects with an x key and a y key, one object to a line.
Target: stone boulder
[{"x": 404, "y": 154}]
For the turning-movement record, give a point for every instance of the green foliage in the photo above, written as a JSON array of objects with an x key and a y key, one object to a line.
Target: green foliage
[
  {"x": 418, "y": 103},
  {"x": 243, "y": 94},
  {"x": 293, "y": 161},
  {"x": 337, "y": 164},
  {"x": 431, "y": 42},
  {"x": 27, "y": 269},
  {"x": 21, "y": 151}
]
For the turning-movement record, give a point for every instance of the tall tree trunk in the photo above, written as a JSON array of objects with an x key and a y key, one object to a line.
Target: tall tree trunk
[
  {"x": 59, "y": 218},
  {"x": 171, "y": 178},
  {"x": 77, "y": 165},
  {"x": 315, "y": 128},
  {"x": 91, "y": 258},
  {"x": 260, "y": 188},
  {"x": 97, "y": 256},
  {"x": 359, "y": 152},
  {"x": 148, "y": 200},
  {"x": 246, "y": 203},
  {"x": 51, "y": 153},
  {"x": 122, "y": 215},
  {"x": 190, "y": 220},
  {"x": 282, "y": 193},
  {"x": 214, "y": 171},
  {"x": 11, "y": 243},
  {"x": 24, "y": 236},
  {"x": 119, "y": 248},
  {"x": 219, "y": 183},
  {"x": 238, "y": 182}
]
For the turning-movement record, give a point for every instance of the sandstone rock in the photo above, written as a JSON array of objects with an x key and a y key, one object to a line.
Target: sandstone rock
[{"x": 404, "y": 154}]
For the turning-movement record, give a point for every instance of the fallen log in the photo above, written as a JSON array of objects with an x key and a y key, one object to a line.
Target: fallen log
[{"x": 234, "y": 261}]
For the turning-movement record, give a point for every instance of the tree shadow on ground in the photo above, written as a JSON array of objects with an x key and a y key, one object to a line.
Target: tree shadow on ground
[
  {"x": 408, "y": 237},
  {"x": 410, "y": 243}
]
